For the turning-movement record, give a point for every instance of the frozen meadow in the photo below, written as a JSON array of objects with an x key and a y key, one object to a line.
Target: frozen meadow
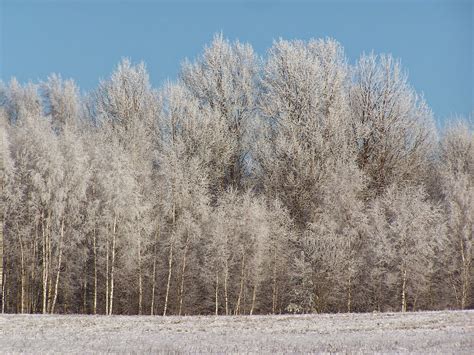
[{"x": 426, "y": 332}]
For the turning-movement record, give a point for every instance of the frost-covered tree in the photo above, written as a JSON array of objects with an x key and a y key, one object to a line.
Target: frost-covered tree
[
  {"x": 61, "y": 101},
  {"x": 70, "y": 207},
  {"x": 394, "y": 128},
  {"x": 336, "y": 242},
  {"x": 224, "y": 79},
  {"x": 203, "y": 134},
  {"x": 406, "y": 229},
  {"x": 185, "y": 186},
  {"x": 278, "y": 248},
  {"x": 456, "y": 171},
  {"x": 305, "y": 110},
  {"x": 248, "y": 259},
  {"x": 241, "y": 229},
  {"x": 128, "y": 106},
  {"x": 21, "y": 101},
  {"x": 6, "y": 173},
  {"x": 120, "y": 198},
  {"x": 33, "y": 202}
]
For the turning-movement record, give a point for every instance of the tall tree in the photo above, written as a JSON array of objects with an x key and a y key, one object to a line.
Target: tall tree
[
  {"x": 337, "y": 243},
  {"x": 224, "y": 79},
  {"x": 394, "y": 127},
  {"x": 456, "y": 171},
  {"x": 304, "y": 106},
  {"x": 406, "y": 229}
]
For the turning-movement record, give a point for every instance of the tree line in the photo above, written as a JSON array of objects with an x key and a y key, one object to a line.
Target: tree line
[{"x": 293, "y": 183}]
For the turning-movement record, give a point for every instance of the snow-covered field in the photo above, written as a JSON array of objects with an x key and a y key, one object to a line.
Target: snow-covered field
[{"x": 427, "y": 332}]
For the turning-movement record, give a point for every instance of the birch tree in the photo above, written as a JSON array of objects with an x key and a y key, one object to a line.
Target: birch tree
[
  {"x": 337, "y": 243},
  {"x": 406, "y": 229},
  {"x": 71, "y": 201},
  {"x": 129, "y": 106},
  {"x": 456, "y": 169},
  {"x": 248, "y": 255},
  {"x": 38, "y": 167},
  {"x": 184, "y": 175},
  {"x": 6, "y": 174},
  {"x": 278, "y": 248}
]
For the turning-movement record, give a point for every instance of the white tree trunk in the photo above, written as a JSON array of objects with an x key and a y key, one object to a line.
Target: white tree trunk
[
  {"x": 60, "y": 251},
  {"x": 49, "y": 267},
  {"x": 242, "y": 280},
  {"x": 107, "y": 276},
  {"x": 140, "y": 280},
  {"x": 44, "y": 265},
  {"x": 254, "y": 294},
  {"x": 4, "y": 295},
  {"x": 181, "y": 290},
  {"x": 112, "y": 268},
  {"x": 170, "y": 265},
  {"x": 226, "y": 296},
  {"x": 217, "y": 292},
  {"x": 465, "y": 275},
  {"x": 31, "y": 305},
  {"x": 23, "y": 276},
  {"x": 94, "y": 302},
  {"x": 349, "y": 294},
  {"x": 274, "y": 282},
  {"x": 153, "y": 281},
  {"x": 404, "y": 283}
]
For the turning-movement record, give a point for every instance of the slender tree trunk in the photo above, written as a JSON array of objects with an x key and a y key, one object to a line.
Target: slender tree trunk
[
  {"x": 84, "y": 296},
  {"x": 170, "y": 265},
  {"x": 242, "y": 279},
  {"x": 465, "y": 285},
  {"x": 254, "y": 294},
  {"x": 60, "y": 251},
  {"x": 170, "y": 257},
  {"x": 94, "y": 247},
  {"x": 465, "y": 275},
  {"x": 107, "y": 276},
  {"x": 217, "y": 292},
  {"x": 274, "y": 282},
  {"x": 33, "y": 301},
  {"x": 226, "y": 296},
  {"x": 277, "y": 301},
  {"x": 349, "y": 294},
  {"x": 23, "y": 276},
  {"x": 50, "y": 266},
  {"x": 4, "y": 285},
  {"x": 153, "y": 281},
  {"x": 140, "y": 280},
  {"x": 349, "y": 283},
  {"x": 181, "y": 290},
  {"x": 112, "y": 268},
  {"x": 404, "y": 282},
  {"x": 45, "y": 265}
]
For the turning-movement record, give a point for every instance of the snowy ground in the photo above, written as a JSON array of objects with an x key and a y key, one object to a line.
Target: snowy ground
[{"x": 427, "y": 332}]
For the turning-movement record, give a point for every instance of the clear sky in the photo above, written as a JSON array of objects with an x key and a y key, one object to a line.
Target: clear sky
[{"x": 84, "y": 39}]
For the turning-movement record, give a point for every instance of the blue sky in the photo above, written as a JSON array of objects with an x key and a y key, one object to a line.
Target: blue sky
[{"x": 84, "y": 39}]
